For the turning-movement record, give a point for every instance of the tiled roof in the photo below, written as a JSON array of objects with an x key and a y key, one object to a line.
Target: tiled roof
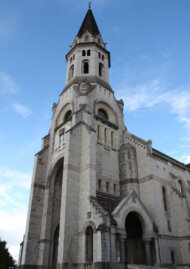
[
  {"x": 89, "y": 24},
  {"x": 108, "y": 202},
  {"x": 188, "y": 165}
]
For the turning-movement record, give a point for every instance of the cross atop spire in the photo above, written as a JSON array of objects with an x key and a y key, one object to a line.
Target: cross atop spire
[{"x": 89, "y": 7}]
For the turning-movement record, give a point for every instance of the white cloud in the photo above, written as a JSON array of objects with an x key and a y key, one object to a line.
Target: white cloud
[
  {"x": 154, "y": 93},
  {"x": 184, "y": 159},
  {"x": 7, "y": 85},
  {"x": 14, "y": 189},
  {"x": 16, "y": 178},
  {"x": 22, "y": 110},
  {"x": 16, "y": 182},
  {"x": 12, "y": 228}
]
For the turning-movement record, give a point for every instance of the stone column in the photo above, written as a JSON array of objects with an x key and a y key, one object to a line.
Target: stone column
[
  {"x": 98, "y": 247},
  {"x": 147, "y": 248},
  {"x": 123, "y": 250},
  {"x": 158, "y": 261},
  {"x": 112, "y": 245}
]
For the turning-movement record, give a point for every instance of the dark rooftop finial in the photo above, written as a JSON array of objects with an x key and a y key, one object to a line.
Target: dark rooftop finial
[{"x": 89, "y": 5}]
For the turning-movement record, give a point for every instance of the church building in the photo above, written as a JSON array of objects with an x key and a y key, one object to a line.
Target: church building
[{"x": 102, "y": 197}]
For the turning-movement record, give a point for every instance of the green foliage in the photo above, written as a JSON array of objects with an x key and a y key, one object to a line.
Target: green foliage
[{"x": 6, "y": 260}]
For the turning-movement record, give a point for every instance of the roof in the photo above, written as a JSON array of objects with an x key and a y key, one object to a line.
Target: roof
[
  {"x": 108, "y": 202},
  {"x": 165, "y": 157},
  {"x": 89, "y": 24}
]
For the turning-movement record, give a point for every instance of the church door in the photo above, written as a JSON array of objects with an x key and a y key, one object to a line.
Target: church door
[{"x": 134, "y": 244}]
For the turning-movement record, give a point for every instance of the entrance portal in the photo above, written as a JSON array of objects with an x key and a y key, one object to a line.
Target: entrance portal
[{"x": 134, "y": 244}]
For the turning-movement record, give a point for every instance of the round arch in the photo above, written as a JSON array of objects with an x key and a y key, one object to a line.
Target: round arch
[
  {"x": 101, "y": 104},
  {"x": 88, "y": 224},
  {"x": 62, "y": 113},
  {"x": 144, "y": 217},
  {"x": 53, "y": 171}
]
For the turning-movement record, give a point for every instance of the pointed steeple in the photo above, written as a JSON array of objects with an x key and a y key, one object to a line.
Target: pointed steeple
[{"x": 89, "y": 24}]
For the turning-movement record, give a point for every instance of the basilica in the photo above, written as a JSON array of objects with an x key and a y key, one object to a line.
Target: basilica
[{"x": 102, "y": 197}]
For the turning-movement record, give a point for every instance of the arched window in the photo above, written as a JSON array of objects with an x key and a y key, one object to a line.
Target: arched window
[
  {"x": 112, "y": 138},
  {"x": 88, "y": 52},
  {"x": 164, "y": 198},
  {"x": 68, "y": 115},
  {"x": 99, "y": 132},
  {"x": 83, "y": 53},
  {"x": 105, "y": 135},
  {"x": 102, "y": 113},
  {"x": 71, "y": 72},
  {"x": 89, "y": 244},
  {"x": 85, "y": 67},
  {"x": 86, "y": 37}
]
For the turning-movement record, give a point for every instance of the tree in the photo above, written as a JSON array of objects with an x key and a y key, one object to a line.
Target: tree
[{"x": 6, "y": 260}]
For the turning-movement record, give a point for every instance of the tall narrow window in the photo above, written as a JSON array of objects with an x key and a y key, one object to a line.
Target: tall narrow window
[
  {"x": 169, "y": 226},
  {"x": 114, "y": 188},
  {"x": 85, "y": 68},
  {"x": 99, "y": 132},
  {"x": 180, "y": 186},
  {"x": 107, "y": 186},
  {"x": 83, "y": 53},
  {"x": 99, "y": 184},
  {"x": 88, "y": 52},
  {"x": 71, "y": 72},
  {"x": 129, "y": 154},
  {"x": 89, "y": 245},
  {"x": 172, "y": 256},
  {"x": 105, "y": 135},
  {"x": 100, "y": 69},
  {"x": 86, "y": 38},
  {"x": 112, "y": 139},
  {"x": 164, "y": 198}
]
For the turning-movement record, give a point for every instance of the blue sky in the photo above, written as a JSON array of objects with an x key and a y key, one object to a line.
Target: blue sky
[{"x": 149, "y": 42}]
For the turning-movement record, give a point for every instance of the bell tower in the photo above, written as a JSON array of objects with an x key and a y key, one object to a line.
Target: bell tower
[
  {"x": 88, "y": 57},
  {"x": 77, "y": 168}
]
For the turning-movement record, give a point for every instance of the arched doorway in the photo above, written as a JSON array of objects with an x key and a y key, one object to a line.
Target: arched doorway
[
  {"x": 89, "y": 244},
  {"x": 135, "y": 247}
]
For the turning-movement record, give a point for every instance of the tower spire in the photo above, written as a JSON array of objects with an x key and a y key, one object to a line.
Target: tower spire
[
  {"x": 89, "y": 6},
  {"x": 89, "y": 24}
]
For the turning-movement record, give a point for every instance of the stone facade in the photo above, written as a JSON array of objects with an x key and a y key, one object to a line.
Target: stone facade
[{"x": 100, "y": 196}]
